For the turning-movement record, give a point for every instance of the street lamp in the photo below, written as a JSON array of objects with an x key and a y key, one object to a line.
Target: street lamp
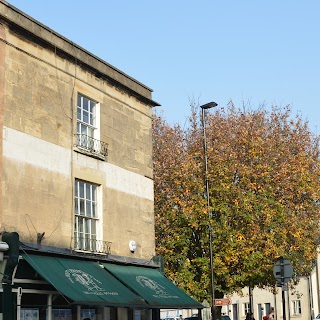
[{"x": 204, "y": 108}]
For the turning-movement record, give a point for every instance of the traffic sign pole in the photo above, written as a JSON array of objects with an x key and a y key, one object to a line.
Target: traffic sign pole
[{"x": 283, "y": 272}]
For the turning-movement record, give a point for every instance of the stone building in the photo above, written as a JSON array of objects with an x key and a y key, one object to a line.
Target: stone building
[
  {"x": 299, "y": 300},
  {"x": 76, "y": 212}
]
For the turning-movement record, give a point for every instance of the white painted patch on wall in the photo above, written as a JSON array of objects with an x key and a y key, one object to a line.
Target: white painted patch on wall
[
  {"x": 128, "y": 182},
  {"x": 22, "y": 147},
  {"x": 118, "y": 178}
]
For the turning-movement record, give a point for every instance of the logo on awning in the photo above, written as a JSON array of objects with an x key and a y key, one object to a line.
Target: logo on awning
[
  {"x": 92, "y": 285},
  {"x": 154, "y": 286}
]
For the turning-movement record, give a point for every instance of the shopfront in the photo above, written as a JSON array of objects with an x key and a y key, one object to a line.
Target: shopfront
[{"x": 55, "y": 286}]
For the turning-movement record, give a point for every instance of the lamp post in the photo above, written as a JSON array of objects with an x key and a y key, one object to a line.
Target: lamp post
[{"x": 204, "y": 108}]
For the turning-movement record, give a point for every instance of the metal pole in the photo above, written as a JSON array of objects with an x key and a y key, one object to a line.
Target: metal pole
[
  {"x": 250, "y": 299},
  {"x": 49, "y": 303},
  {"x": 213, "y": 315},
  {"x": 283, "y": 289},
  {"x": 310, "y": 296}
]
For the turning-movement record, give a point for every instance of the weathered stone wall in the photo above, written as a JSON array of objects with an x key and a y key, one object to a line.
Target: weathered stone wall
[
  {"x": 40, "y": 161},
  {"x": 2, "y": 82}
]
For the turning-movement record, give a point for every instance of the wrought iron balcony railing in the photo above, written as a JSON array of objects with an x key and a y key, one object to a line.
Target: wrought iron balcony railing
[
  {"x": 92, "y": 145},
  {"x": 92, "y": 245}
]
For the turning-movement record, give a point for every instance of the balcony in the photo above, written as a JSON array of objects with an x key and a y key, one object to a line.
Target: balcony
[
  {"x": 92, "y": 146},
  {"x": 92, "y": 245}
]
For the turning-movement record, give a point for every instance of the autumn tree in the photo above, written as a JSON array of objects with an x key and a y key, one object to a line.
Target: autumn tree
[{"x": 263, "y": 171}]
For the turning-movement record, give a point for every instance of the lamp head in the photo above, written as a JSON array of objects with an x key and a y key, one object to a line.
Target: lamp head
[{"x": 209, "y": 105}]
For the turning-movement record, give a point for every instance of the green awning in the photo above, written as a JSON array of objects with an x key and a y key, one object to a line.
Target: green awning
[
  {"x": 152, "y": 286},
  {"x": 84, "y": 282}
]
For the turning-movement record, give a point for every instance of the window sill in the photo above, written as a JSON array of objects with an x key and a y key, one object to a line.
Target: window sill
[
  {"x": 95, "y": 253},
  {"x": 90, "y": 153},
  {"x": 93, "y": 247}
]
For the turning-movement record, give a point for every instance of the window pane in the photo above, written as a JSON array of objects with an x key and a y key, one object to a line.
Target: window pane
[
  {"x": 81, "y": 189},
  {"x": 92, "y": 117},
  {"x": 80, "y": 225},
  {"x": 76, "y": 207},
  {"x": 94, "y": 210},
  {"x": 81, "y": 207},
  {"x": 85, "y": 117},
  {"x": 78, "y": 114},
  {"x": 94, "y": 188},
  {"x": 76, "y": 188},
  {"x": 88, "y": 209},
  {"x": 83, "y": 129},
  {"x": 93, "y": 121},
  {"x": 90, "y": 143},
  {"x": 88, "y": 191},
  {"x": 90, "y": 132},
  {"x": 88, "y": 225},
  {"x": 92, "y": 107},
  {"x": 87, "y": 242},
  {"x": 85, "y": 104},
  {"x": 93, "y": 227}
]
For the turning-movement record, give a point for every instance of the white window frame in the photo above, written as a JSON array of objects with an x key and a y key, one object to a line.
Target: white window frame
[
  {"x": 267, "y": 307},
  {"x": 88, "y": 120},
  {"x": 246, "y": 308},
  {"x": 296, "y": 307},
  {"x": 87, "y": 215}
]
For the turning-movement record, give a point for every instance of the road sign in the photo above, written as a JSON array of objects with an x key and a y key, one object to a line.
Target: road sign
[
  {"x": 282, "y": 271},
  {"x": 222, "y": 302}
]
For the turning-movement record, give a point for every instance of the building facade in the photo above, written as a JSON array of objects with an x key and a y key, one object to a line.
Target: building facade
[
  {"x": 76, "y": 196},
  {"x": 300, "y": 300}
]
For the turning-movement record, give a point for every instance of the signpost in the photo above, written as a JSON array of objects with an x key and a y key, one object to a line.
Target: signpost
[
  {"x": 222, "y": 302},
  {"x": 283, "y": 272}
]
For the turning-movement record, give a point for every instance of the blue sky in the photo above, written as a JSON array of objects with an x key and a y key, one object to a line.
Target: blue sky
[{"x": 256, "y": 52}]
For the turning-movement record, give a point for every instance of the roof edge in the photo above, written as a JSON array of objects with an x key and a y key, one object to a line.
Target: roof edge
[{"x": 23, "y": 21}]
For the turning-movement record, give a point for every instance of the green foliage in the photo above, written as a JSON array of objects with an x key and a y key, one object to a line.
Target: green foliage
[{"x": 263, "y": 170}]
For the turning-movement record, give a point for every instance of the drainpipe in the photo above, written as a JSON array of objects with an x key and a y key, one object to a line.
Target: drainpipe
[{"x": 12, "y": 239}]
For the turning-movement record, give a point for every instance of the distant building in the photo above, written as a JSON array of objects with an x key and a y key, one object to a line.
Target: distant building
[
  {"x": 302, "y": 302},
  {"x": 76, "y": 217}
]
